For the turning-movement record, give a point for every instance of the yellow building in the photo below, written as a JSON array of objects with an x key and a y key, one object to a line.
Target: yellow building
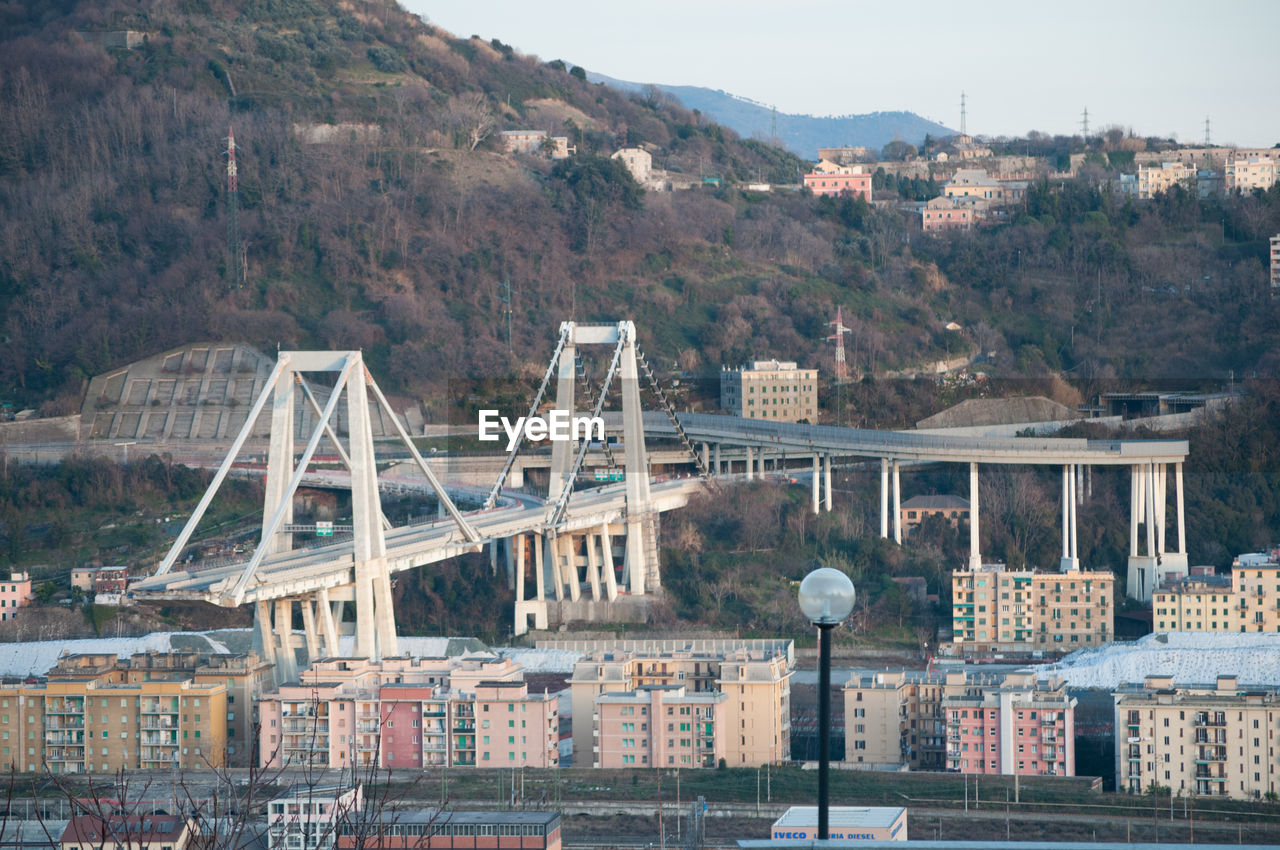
[
  {"x": 1208, "y": 740},
  {"x": 771, "y": 389},
  {"x": 1198, "y": 603},
  {"x": 995, "y": 609},
  {"x": 895, "y": 718},
  {"x": 1257, "y": 596},
  {"x": 1153, "y": 180},
  {"x": 756, "y": 678},
  {"x": 1246, "y": 173}
]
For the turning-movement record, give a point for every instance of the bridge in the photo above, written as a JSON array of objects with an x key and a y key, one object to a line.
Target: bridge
[{"x": 579, "y": 543}]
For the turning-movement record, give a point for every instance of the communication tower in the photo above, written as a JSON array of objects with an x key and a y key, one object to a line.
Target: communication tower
[
  {"x": 235, "y": 250},
  {"x": 839, "y": 330}
]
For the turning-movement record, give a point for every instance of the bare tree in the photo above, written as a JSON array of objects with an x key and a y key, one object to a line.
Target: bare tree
[{"x": 470, "y": 114}]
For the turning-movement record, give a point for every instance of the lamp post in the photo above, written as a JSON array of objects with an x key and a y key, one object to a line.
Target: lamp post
[{"x": 826, "y": 598}]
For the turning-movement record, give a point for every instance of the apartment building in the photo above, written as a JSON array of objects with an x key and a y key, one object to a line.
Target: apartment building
[
  {"x": 917, "y": 509},
  {"x": 832, "y": 179},
  {"x": 777, "y": 390},
  {"x": 895, "y": 719},
  {"x": 409, "y": 713},
  {"x": 943, "y": 213},
  {"x": 976, "y": 183},
  {"x": 995, "y": 609},
  {"x": 660, "y": 726},
  {"x": 1209, "y": 740},
  {"x": 1246, "y": 173},
  {"x": 14, "y": 594},
  {"x": 1010, "y": 724},
  {"x": 1275, "y": 266},
  {"x": 756, "y": 684},
  {"x": 95, "y": 713},
  {"x": 1155, "y": 179},
  {"x": 1201, "y": 602}
]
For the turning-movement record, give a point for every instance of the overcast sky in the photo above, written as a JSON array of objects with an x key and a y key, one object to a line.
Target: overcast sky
[{"x": 1158, "y": 67}]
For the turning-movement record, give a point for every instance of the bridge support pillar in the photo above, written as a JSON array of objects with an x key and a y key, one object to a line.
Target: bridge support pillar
[
  {"x": 328, "y": 627},
  {"x": 593, "y": 565},
  {"x": 975, "y": 528},
  {"x": 884, "y": 497},
  {"x": 1070, "y": 556},
  {"x": 814, "y": 484},
  {"x": 264, "y": 638},
  {"x": 539, "y": 577},
  {"x": 309, "y": 630},
  {"x": 706, "y": 456},
  {"x": 286, "y": 659},
  {"x": 606, "y": 564},
  {"x": 508, "y": 550},
  {"x": 719, "y": 471},
  {"x": 524, "y": 607},
  {"x": 826, "y": 482},
  {"x": 569, "y": 564},
  {"x": 897, "y": 503},
  {"x": 751, "y": 463}
]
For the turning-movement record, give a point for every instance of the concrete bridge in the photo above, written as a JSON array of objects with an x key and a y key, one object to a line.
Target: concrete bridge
[{"x": 579, "y": 542}]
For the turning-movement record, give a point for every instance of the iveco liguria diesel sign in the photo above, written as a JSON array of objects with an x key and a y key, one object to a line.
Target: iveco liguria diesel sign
[{"x": 558, "y": 426}]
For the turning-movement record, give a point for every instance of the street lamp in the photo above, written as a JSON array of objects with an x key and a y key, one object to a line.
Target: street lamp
[{"x": 826, "y": 598}]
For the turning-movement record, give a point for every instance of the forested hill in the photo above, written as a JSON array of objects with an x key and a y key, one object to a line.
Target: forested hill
[{"x": 377, "y": 210}]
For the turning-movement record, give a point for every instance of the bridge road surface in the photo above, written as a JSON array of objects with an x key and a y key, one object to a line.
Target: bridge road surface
[{"x": 303, "y": 571}]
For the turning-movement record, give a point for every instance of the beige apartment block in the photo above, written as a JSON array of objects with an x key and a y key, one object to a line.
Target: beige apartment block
[
  {"x": 1155, "y": 179},
  {"x": 1208, "y": 740},
  {"x": 755, "y": 682},
  {"x": 894, "y": 719},
  {"x": 21, "y": 727},
  {"x": 995, "y": 609},
  {"x": 770, "y": 389},
  {"x": 1246, "y": 173},
  {"x": 1257, "y": 596},
  {"x": 1198, "y": 603},
  {"x": 99, "y": 727}
]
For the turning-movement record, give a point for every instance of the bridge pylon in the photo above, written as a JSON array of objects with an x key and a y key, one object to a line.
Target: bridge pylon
[{"x": 369, "y": 588}]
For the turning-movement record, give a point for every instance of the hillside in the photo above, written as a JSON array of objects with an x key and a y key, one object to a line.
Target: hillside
[
  {"x": 377, "y": 210},
  {"x": 800, "y": 134}
]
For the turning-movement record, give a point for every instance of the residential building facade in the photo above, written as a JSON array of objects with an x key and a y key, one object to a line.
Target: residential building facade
[
  {"x": 964, "y": 721},
  {"x": 14, "y": 594},
  {"x": 1208, "y": 740},
  {"x": 777, "y": 390},
  {"x": 755, "y": 711},
  {"x": 1157, "y": 179},
  {"x": 1010, "y": 724},
  {"x": 409, "y": 713},
  {"x": 660, "y": 726},
  {"x": 914, "y": 511},
  {"x": 943, "y": 213},
  {"x": 1247, "y": 173},
  {"x": 854, "y": 180},
  {"x": 1275, "y": 265},
  {"x": 997, "y": 609},
  {"x": 97, "y": 714}
]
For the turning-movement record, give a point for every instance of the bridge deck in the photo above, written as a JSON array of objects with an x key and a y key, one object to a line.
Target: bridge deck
[
  {"x": 302, "y": 571},
  {"x": 908, "y": 445}
]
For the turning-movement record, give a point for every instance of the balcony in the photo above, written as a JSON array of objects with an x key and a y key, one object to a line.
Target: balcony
[{"x": 166, "y": 722}]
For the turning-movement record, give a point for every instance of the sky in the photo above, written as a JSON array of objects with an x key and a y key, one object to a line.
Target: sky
[{"x": 1159, "y": 68}]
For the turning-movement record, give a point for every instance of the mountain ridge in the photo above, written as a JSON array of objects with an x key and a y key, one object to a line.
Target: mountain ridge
[{"x": 801, "y": 134}]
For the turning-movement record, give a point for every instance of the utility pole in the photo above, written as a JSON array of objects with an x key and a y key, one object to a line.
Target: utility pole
[
  {"x": 505, "y": 298},
  {"x": 963, "y": 129},
  {"x": 1207, "y": 143},
  {"x": 1084, "y": 123}
]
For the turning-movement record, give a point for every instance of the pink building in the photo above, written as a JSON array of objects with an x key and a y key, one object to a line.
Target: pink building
[
  {"x": 855, "y": 182},
  {"x": 660, "y": 726},
  {"x": 1009, "y": 724},
  {"x": 945, "y": 213},
  {"x": 14, "y": 594},
  {"x": 410, "y": 713}
]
